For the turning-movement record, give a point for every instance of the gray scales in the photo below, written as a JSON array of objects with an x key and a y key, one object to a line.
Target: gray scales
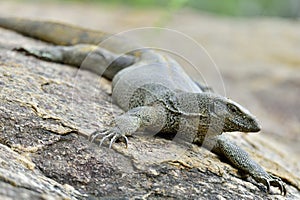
[{"x": 153, "y": 90}]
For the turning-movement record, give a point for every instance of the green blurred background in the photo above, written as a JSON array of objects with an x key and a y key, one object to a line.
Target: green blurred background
[{"x": 244, "y": 8}]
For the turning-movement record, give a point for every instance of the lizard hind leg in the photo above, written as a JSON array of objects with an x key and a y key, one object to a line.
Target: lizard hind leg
[
  {"x": 203, "y": 87},
  {"x": 83, "y": 56}
]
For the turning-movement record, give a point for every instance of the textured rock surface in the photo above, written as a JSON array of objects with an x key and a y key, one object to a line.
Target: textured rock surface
[{"x": 47, "y": 110}]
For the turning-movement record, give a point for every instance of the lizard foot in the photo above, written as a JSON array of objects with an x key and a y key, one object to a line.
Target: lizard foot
[
  {"x": 271, "y": 180},
  {"x": 112, "y": 134}
]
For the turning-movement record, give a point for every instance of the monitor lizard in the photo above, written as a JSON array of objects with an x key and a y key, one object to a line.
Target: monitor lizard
[{"x": 153, "y": 90}]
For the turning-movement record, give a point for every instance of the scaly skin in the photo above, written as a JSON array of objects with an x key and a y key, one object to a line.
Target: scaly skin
[{"x": 153, "y": 100}]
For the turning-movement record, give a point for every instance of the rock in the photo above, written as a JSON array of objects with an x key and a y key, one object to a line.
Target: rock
[{"x": 48, "y": 110}]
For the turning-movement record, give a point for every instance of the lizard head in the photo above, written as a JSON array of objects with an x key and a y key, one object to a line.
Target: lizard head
[{"x": 231, "y": 116}]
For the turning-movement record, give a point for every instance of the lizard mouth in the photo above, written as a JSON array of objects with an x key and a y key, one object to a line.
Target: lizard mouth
[
  {"x": 242, "y": 125},
  {"x": 250, "y": 125}
]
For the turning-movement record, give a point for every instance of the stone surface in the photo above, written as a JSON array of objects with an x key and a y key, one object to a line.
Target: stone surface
[{"x": 47, "y": 111}]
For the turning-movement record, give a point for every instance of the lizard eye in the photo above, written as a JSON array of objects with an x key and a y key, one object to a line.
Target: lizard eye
[{"x": 232, "y": 108}]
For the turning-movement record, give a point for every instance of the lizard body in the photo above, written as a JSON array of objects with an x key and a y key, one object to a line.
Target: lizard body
[{"x": 153, "y": 90}]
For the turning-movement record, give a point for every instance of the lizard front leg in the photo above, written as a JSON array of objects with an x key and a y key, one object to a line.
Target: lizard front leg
[
  {"x": 136, "y": 119},
  {"x": 241, "y": 159}
]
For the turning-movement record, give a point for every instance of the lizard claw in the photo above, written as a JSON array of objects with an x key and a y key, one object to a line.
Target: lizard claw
[
  {"x": 113, "y": 134},
  {"x": 274, "y": 181},
  {"x": 277, "y": 182}
]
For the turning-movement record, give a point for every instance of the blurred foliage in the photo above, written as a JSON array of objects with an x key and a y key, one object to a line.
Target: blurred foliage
[{"x": 281, "y": 8}]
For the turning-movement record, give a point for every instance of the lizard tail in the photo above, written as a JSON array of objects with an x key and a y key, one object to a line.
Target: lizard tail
[
  {"x": 75, "y": 45},
  {"x": 59, "y": 33},
  {"x": 53, "y": 32}
]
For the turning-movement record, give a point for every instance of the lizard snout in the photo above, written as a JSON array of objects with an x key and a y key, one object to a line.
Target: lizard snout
[
  {"x": 254, "y": 126},
  {"x": 240, "y": 119}
]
